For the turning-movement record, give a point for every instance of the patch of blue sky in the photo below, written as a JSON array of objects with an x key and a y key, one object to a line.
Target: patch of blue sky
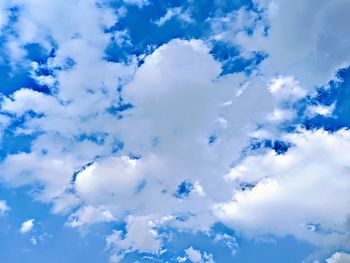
[
  {"x": 13, "y": 142},
  {"x": 149, "y": 36},
  {"x": 184, "y": 189},
  {"x": 55, "y": 242},
  {"x": 14, "y": 78},
  {"x": 337, "y": 93},
  {"x": 280, "y": 147}
]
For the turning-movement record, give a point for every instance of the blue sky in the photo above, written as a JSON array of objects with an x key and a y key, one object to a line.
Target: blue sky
[{"x": 174, "y": 131}]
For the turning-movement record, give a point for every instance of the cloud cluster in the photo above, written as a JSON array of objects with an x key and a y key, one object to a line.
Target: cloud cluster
[{"x": 151, "y": 144}]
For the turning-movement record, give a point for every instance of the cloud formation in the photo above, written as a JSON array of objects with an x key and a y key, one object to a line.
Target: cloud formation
[
  {"x": 164, "y": 139},
  {"x": 27, "y": 226}
]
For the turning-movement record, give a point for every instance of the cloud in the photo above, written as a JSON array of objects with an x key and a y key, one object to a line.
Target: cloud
[
  {"x": 89, "y": 215},
  {"x": 27, "y": 226},
  {"x": 4, "y": 208},
  {"x": 339, "y": 257},
  {"x": 87, "y": 158},
  {"x": 172, "y": 122},
  {"x": 294, "y": 193},
  {"x": 138, "y": 3},
  {"x": 176, "y": 12},
  {"x": 196, "y": 256},
  {"x": 31, "y": 168},
  {"x": 228, "y": 241},
  {"x": 4, "y": 14},
  {"x": 141, "y": 236}
]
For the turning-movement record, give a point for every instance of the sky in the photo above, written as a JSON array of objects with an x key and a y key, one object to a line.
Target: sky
[{"x": 174, "y": 131}]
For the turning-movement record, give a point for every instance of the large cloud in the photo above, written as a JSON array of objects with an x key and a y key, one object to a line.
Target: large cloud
[
  {"x": 166, "y": 167},
  {"x": 304, "y": 192},
  {"x": 178, "y": 103}
]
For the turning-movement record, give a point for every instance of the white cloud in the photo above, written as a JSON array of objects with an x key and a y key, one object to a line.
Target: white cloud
[
  {"x": 4, "y": 208},
  {"x": 52, "y": 173},
  {"x": 27, "y": 226},
  {"x": 89, "y": 215},
  {"x": 181, "y": 259},
  {"x": 140, "y": 236},
  {"x": 109, "y": 179},
  {"x": 286, "y": 89},
  {"x": 339, "y": 257},
  {"x": 138, "y": 3},
  {"x": 25, "y": 100},
  {"x": 34, "y": 241},
  {"x": 228, "y": 241},
  {"x": 175, "y": 12},
  {"x": 323, "y": 110},
  {"x": 294, "y": 193},
  {"x": 196, "y": 256}
]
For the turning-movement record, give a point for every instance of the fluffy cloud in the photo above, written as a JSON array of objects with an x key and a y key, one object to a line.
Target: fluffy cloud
[
  {"x": 196, "y": 256},
  {"x": 50, "y": 172},
  {"x": 27, "y": 226},
  {"x": 141, "y": 236},
  {"x": 89, "y": 215},
  {"x": 173, "y": 122},
  {"x": 339, "y": 257},
  {"x": 4, "y": 208},
  {"x": 303, "y": 192}
]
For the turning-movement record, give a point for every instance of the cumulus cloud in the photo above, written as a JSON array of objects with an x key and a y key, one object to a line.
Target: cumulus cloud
[
  {"x": 303, "y": 192},
  {"x": 27, "y": 226}
]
